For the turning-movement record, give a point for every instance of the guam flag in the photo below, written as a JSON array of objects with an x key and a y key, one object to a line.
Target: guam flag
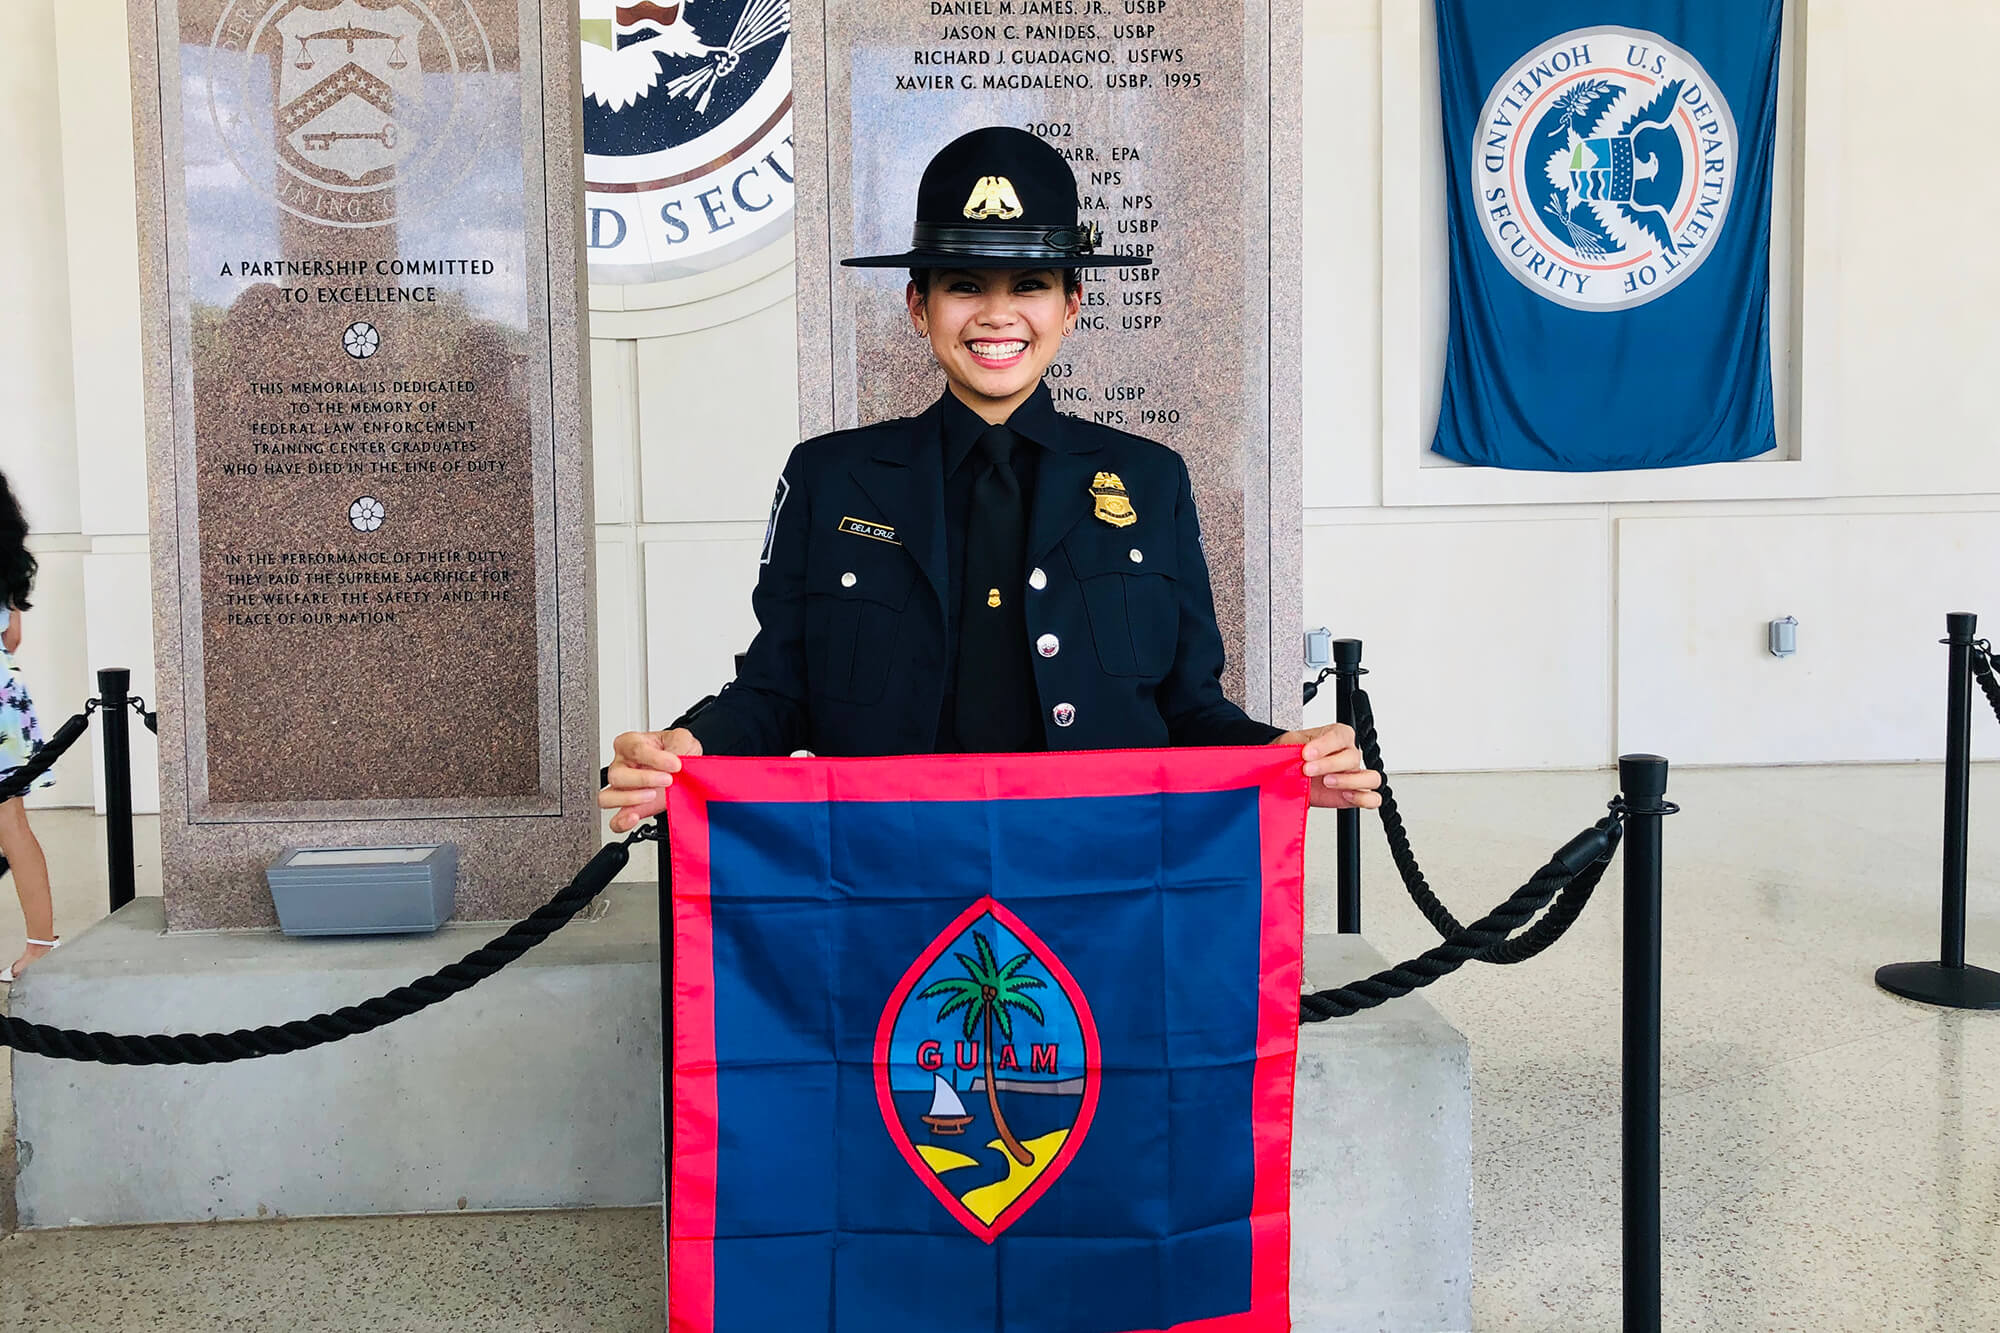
[
  {"x": 1609, "y": 187},
  {"x": 984, "y": 1044}
]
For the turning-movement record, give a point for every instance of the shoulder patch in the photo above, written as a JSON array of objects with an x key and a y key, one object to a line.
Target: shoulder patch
[{"x": 771, "y": 527}]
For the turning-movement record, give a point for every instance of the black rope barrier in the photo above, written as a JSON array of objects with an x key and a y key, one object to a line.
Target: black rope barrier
[
  {"x": 44, "y": 758},
  {"x": 1568, "y": 907},
  {"x": 146, "y": 715},
  {"x": 1982, "y": 671},
  {"x": 1574, "y": 870},
  {"x": 304, "y": 1034}
]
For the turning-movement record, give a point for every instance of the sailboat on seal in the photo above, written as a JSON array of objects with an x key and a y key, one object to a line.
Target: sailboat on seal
[{"x": 947, "y": 1114}]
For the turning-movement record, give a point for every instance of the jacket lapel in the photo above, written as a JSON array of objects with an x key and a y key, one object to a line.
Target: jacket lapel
[
  {"x": 905, "y": 479},
  {"x": 1062, "y": 486}
]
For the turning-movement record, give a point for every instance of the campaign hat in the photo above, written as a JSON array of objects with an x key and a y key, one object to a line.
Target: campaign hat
[{"x": 999, "y": 197}]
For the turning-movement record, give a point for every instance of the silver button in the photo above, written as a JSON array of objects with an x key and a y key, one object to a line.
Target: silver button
[
  {"x": 848, "y": 580},
  {"x": 1064, "y": 714},
  {"x": 1048, "y": 645},
  {"x": 1038, "y": 580},
  {"x": 1137, "y": 555}
]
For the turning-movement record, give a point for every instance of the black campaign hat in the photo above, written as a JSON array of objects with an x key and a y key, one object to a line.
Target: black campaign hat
[{"x": 998, "y": 198}]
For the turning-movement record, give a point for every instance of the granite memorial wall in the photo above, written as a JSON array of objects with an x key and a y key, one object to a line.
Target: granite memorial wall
[
  {"x": 369, "y": 453},
  {"x": 1182, "y": 123}
]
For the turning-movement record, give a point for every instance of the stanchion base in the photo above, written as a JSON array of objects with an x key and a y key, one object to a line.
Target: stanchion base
[{"x": 1934, "y": 983}]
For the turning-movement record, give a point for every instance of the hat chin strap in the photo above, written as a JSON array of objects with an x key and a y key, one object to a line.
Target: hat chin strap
[{"x": 1001, "y": 240}]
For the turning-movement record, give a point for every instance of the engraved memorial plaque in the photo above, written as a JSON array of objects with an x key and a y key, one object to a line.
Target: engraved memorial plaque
[
  {"x": 371, "y": 455},
  {"x": 1180, "y": 121}
]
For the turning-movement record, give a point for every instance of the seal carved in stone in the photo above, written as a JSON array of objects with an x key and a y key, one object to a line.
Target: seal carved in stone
[{"x": 348, "y": 113}]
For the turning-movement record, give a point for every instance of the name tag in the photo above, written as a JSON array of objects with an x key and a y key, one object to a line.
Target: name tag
[{"x": 880, "y": 532}]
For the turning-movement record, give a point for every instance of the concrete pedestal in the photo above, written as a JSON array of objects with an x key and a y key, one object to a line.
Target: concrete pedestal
[
  {"x": 539, "y": 1088},
  {"x": 1381, "y": 1162}
]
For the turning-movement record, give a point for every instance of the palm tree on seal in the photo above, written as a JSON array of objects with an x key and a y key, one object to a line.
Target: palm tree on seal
[{"x": 988, "y": 994}]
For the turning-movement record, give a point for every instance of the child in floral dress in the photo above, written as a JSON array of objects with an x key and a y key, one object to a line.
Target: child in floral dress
[{"x": 20, "y": 737}]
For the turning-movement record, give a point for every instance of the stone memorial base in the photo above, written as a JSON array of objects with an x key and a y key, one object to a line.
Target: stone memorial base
[
  {"x": 540, "y": 1088},
  {"x": 537, "y": 1088},
  {"x": 1381, "y": 1162}
]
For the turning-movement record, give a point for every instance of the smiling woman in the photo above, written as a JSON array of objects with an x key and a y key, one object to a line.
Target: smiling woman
[
  {"x": 994, "y": 331},
  {"x": 992, "y": 575}
]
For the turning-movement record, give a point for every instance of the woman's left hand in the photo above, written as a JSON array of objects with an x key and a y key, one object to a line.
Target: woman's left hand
[{"x": 1335, "y": 767}]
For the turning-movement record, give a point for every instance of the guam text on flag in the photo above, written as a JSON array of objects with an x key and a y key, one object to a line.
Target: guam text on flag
[
  {"x": 1609, "y": 180},
  {"x": 984, "y": 1044}
]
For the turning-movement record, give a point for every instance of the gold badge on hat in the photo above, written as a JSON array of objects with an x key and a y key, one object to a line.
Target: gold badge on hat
[
  {"x": 1113, "y": 505},
  {"x": 993, "y": 197}
]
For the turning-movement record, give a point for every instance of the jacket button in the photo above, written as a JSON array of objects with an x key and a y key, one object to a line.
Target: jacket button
[
  {"x": 1038, "y": 580},
  {"x": 1137, "y": 555},
  {"x": 848, "y": 580},
  {"x": 1048, "y": 645},
  {"x": 1064, "y": 714}
]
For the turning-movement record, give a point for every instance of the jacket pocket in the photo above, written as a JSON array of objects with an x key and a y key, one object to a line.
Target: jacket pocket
[
  {"x": 854, "y": 616},
  {"x": 1133, "y": 605}
]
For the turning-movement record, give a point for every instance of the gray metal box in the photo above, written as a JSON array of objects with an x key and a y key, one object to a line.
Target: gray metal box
[{"x": 363, "y": 890}]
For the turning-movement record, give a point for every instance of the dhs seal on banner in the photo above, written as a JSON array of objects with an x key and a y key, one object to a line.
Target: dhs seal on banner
[
  {"x": 687, "y": 127},
  {"x": 1604, "y": 164}
]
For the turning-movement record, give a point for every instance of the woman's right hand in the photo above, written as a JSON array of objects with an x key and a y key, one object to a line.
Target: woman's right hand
[{"x": 642, "y": 768}]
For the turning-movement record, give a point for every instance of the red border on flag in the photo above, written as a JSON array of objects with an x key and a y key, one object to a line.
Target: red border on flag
[{"x": 1281, "y": 788}]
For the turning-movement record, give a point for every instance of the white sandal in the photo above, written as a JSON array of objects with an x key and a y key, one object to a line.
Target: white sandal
[{"x": 7, "y": 973}]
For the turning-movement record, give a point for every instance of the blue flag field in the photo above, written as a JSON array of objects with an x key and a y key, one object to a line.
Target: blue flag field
[
  {"x": 984, "y": 1044},
  {"x": 1609, "y": 185}
]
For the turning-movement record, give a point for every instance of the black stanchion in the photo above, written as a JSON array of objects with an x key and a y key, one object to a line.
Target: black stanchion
[
  {"x": 1347, "y": 823},
  {"x": 1949, "y": 981},
  {"x": 112, "y": 686},
  {"x": 1643, "y": 778}
]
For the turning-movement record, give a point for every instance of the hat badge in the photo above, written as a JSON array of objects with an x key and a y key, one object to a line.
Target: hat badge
[{"x": 993, "y": 197}]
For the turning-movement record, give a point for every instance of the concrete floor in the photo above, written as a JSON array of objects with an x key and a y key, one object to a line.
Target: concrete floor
[{"x": 1831, "y": 1153}]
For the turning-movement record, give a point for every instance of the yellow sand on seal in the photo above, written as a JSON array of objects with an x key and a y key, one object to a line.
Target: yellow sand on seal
[{"x": 989, "y": 1201}]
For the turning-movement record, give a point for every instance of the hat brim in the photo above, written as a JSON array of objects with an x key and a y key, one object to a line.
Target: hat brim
[{"x": 958, "y": 259}]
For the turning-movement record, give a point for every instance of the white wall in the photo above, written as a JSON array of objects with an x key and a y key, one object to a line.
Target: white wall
[
  {"x": 37, "y": 398},
  {"x": 37, "y": 395},
  {"x": 1512, "y": 620},
  {"x": 695, "y": 406}
]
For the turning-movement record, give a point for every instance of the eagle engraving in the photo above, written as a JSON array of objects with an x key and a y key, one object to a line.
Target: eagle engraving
[{"x": 1612, "y": 182}]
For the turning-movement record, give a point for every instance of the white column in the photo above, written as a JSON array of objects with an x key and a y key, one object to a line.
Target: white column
[{"x": 93, "y": 101}]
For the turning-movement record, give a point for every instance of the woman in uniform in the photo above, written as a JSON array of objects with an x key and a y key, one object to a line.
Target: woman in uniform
[{"x": 991, "y": 575}]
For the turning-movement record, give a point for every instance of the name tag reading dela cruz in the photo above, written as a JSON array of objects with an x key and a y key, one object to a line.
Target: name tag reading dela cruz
[{"x": 880, "y": 532}]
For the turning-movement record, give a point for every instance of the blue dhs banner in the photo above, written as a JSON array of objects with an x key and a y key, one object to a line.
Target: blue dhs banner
[
  {"x": 984, "y": 1044},
  {"x": 1610, "y": 195}
]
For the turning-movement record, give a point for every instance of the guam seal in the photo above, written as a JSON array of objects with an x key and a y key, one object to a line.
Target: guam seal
[
  {"x": 348, "y": 113},
  {"x": 1604, "y": 164},
  {"x": 986, "y": 1068},
  {"x": 687, "y": 130}
]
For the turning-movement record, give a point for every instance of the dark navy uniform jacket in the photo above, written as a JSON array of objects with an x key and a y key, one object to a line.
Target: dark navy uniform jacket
[{"x": 851, "y": 656}]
